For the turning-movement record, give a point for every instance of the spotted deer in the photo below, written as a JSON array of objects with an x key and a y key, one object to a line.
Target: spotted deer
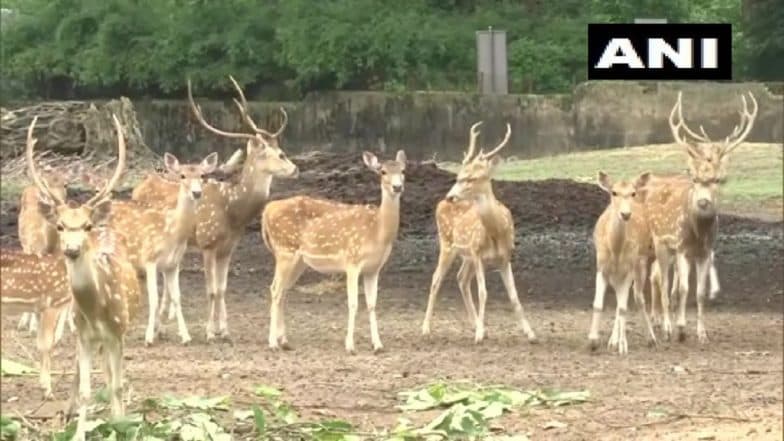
[
  {"x": 38, "y": 237},
  {"x": 622, "y": 240},
  {"x": 102, "y": 281},
  {"x": 684, "y": 215},
  {"x": 36, "y": 284},
  {"x": 162, "y": 191},
  {"x": 479, "y": 228},
  {"x": 655, "y": 277},
  {"x": 226, "y": 208},
  {"x": 333, "y": 237},
  {"x": 162, "y": 237}
]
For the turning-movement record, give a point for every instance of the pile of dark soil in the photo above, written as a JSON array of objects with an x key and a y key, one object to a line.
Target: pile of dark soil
[{"x": 535, "y": 205}]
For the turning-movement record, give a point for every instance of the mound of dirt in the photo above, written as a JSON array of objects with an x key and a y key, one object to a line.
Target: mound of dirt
[{"x": 536, "y": 205}]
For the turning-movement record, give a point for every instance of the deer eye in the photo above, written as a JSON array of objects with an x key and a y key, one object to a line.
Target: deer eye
[
  {"x": 615, "y": 193},
  {"x": 60, "y": 227},
  {"x": 182, "y": 176},
  {"x": 383, "y": 172},
  {"x": 634, "y": 194},
  {"x": 88, "y": 227},
  {"x": 282, "y": 155}
]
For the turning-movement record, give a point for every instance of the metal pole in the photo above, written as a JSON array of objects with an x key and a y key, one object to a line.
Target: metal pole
[{"x": 492, "y": 59}]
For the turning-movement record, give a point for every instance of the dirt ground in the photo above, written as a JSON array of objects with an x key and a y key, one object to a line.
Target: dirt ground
[{"x": 728, "y": 389}]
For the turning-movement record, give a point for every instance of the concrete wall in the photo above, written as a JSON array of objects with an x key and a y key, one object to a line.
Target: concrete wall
[{"x": 595, "y": 115}]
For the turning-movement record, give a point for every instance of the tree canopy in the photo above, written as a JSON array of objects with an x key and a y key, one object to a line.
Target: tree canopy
[{"x": 100, "y": 48}]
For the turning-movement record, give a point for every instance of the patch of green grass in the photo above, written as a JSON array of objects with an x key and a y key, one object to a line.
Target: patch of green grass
[{"x": 755, "y": 171}]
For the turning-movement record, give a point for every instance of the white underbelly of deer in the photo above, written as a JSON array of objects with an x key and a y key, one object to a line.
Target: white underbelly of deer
[{"x": 325, "y": 264}]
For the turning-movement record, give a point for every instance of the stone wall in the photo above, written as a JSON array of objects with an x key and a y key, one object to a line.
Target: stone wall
[{"x": 595, "y": 115}]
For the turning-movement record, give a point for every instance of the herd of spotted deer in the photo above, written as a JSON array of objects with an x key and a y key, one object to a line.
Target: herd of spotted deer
[{"x": 80, "y": 263}]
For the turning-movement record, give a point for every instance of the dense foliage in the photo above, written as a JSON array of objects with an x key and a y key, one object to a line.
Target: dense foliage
[{"x": 68, "y": 48}]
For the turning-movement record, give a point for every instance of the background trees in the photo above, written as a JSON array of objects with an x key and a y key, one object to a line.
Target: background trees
[{"x": 96, "y": 48}]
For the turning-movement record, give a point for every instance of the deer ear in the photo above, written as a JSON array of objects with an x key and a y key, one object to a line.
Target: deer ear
[
  {"x": 494, "y": 162},
  {"x": 371, "y": 161},
  {"x": 101, "y": 210},
  {"x": 47, "y": 209},
  {"x": 401, "y": 158},
  {"x": 171, "y": 162},
  {"x": 642, "y": 180},
  {"x": 604, "y": 182},
  {"x": 209, "y": 163}
]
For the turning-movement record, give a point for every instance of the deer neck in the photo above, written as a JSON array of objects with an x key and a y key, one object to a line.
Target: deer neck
[
  {"x": 84, "y": 280},
  {"x": 490, "y": 213},
  {"x": 616, "y": 233},
  {"x": 388, "y": 217},
  {"x": 250, "y": 194},
  {"x": 182, "y": 218}
]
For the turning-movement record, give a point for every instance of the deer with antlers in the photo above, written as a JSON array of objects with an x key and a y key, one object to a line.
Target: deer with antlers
[
  {"x": 479, "y": 228},
  {"x": 162, "y": 237},
  {"x": 227, "y": 207},
  {"x": 683, "y": 216},
  {"x": 102, "y": 281},
  {"x": 622, "y": 241},
  {"x": 332, "y": 237},
  {"x": 36, "y": 284}
]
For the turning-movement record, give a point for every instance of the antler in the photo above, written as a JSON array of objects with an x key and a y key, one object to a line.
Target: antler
[
  {"x": 243, "y": 107},
  {"x": 500, "y": 146},
  {"x": 675, "y": 127},
  {"x": 197, "y": 112},
  {"x": 40, "y": 183},
  {"x": 743, "y": 128},
  {"x": 472, "y": 142},
  {"x": 107, "y": 189}
]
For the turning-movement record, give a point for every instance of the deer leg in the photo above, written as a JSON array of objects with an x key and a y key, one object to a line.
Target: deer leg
[
  {"x": 371, "y": 294},
  {"x": 663, "y": 261},
  {"x": 656, "y": 302},
  {"x": 703, "y": 270},
  {"x": 212, "y": 292},
  {"x": 222, "y": 279},
  {"x": 287, "y": 270},
  {"x": 114, "y": 358},
  {"x": 45, "y": 341},
  {"x": 85, "y": 392},
  {"x": 445, "y": 259},
  {"x": 151, "y": 275},
  {"x": 352, "y": 291},
  {"x": 29, "y": 320},
  {"x": 479, "y": 267},
  {"x": 598, "y": 306},
  {"x": 619, "y": 328},
  {"x": 464, "y": 277},
  {"x": 508, "y": 279},
  {"x": 65, "y": 316},
  {"x": 683, "y": 291},
  {"x": 290, "y": 280},
  {"x": 714, "y": 279},
  {"x": 640, "y": 274},
  {"x": 171, "y": 279}
]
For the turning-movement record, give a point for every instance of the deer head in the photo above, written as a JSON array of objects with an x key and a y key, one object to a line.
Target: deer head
[
  {"x": 191, "y": 175},
  {"x": 473, "y": 179},
  {"x": 74, "y": 221},
  {"x": 262, "y": 152},
  {"x": 622, "y": 193},
  {"x": 707, "y": 158},
  {"x": 392, "y": 173}
]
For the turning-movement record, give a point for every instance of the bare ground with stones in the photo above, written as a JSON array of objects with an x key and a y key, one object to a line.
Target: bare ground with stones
[{"x": 730, "y": 388}]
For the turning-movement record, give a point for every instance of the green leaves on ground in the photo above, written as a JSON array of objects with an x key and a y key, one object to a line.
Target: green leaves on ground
[
  {"x": 10, "y": 368},
  {"x": 468, "y": 408}
]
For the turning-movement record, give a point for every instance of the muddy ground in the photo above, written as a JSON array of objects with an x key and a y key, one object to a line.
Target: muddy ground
[{"x": 730, "y": 388}]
